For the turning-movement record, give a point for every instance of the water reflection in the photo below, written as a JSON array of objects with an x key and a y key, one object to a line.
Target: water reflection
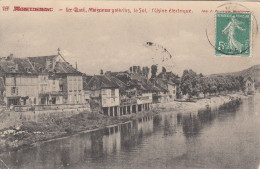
[{"x": 113, "y": 145}]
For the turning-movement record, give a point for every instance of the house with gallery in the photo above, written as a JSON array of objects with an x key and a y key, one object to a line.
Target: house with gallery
[
  {"x": 135, "y": 90},
  {"x": 104, "y": 95},
  {"x": 42, "y": 80},
  {"x": 127, "y": 91},
  {"x": 119, "y": 93}
]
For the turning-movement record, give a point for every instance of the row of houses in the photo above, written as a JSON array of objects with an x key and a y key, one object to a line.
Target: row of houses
[
  {"x": 120, "y": 93},
  {"x": 51, "y": 80}
]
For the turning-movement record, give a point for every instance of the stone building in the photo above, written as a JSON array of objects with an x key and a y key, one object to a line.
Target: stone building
[
  {"x": 104, "y": 94},
  {"x": 20, "y": 81},
  {"x": 41, "y": 80},
  {"x": 249, "y": 85}
]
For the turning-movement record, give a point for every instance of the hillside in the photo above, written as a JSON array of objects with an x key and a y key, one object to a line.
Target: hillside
[{"x": 253, "y": 72}]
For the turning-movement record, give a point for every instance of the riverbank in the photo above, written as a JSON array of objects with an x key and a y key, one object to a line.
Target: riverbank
[{"x": 30, "y": 133}]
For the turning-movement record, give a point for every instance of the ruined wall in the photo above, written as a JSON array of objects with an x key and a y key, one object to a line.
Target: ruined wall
[{"x": 15, "y": 119}]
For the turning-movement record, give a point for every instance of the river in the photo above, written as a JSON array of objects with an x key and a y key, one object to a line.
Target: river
[{"x": 206, "y": 139}]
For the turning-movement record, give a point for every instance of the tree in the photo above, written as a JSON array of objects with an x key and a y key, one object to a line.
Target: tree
[
  {"x": 190, "y": 83},
  {"x": 138, "y": 69},
  {"x": 131, "y": 69},
  {"x": 145, "y": 71},
  {"x": 153, "y": 71},
  {"x": 205, "y": 85},
  {"x": 240, "y": 80},
  {"x": 134, "y": 69}
]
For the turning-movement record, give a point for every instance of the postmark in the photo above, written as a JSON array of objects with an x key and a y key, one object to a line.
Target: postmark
[
  {"x": 233, "y": 34},
  {"x": 232, "y": 30}
]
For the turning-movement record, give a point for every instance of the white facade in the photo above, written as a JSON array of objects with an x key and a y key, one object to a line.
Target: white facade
[
  {"x": 75, "y": 89},
  {"x": 172, "y": 91},
  {"x": 145, "y": 98},
  {"x": 43, "y": 83},
  {"x": 25, "y": 87},
  {"x": 250, "y": 86},
  {"x": 53, "y": 85},
  {"x": 110, "y": 97},
  {"x": 49, "y": 90}
]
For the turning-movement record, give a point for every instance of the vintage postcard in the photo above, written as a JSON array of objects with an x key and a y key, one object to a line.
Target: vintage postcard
[{"x": 129, "y": 84}]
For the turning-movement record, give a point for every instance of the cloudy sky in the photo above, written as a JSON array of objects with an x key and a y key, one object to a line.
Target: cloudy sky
[{"x": 117, "y": 41}]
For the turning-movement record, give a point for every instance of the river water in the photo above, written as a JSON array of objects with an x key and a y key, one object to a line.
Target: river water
[{"x": 215, "y": 139}]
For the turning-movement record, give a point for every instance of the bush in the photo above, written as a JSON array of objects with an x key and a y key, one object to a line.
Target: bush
[
  {"x": 92, "y": 116},
  {"x": 68, "y": 130}
]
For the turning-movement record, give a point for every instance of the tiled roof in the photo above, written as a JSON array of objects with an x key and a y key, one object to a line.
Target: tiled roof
[
  {"x": 86, "y": 79},
  {"x": 35, "y": 65},
  {"x": 98, "y": 82},
  {"x": 59, "y": 67},
  {"x": 64, "y": 67},
  {"x": 122, "y": 85},
  {"x": 39, "y": 62},
  {"x": 170, "y": 77},
  {"x": 249, "y": 79},
  {"x": 17, "y": 66},
  {"x": 41, "y": 59},
  {"x": 161, "y": 84}
]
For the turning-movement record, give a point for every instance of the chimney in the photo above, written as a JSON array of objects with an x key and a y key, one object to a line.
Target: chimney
[
  {"x": 101, "y": 71},
  {"x": 76, "y": 66}
]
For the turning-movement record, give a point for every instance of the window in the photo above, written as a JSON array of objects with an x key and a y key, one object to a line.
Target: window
[
  {"x": 61, "y": 87},
  {"x": 13, "y": 90},
  {"x": 113, "y": 92},
  {"x": 53, "y": 82}
]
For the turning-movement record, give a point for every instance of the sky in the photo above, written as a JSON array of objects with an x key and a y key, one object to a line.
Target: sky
[{"x": 114, "y": 42}]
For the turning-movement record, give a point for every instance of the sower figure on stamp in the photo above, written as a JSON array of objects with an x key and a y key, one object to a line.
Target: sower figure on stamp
[{"x": 230, "y": 29}]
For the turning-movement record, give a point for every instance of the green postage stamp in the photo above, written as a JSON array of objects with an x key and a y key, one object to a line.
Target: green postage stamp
[{"x": 233, "y": 34}]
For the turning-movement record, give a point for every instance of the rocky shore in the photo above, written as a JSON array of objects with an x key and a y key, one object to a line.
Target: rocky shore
[{"x": 30, "y": 133}]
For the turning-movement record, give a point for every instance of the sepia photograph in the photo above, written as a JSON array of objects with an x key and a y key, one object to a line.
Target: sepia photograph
[{"x": 129, "y": 85}]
